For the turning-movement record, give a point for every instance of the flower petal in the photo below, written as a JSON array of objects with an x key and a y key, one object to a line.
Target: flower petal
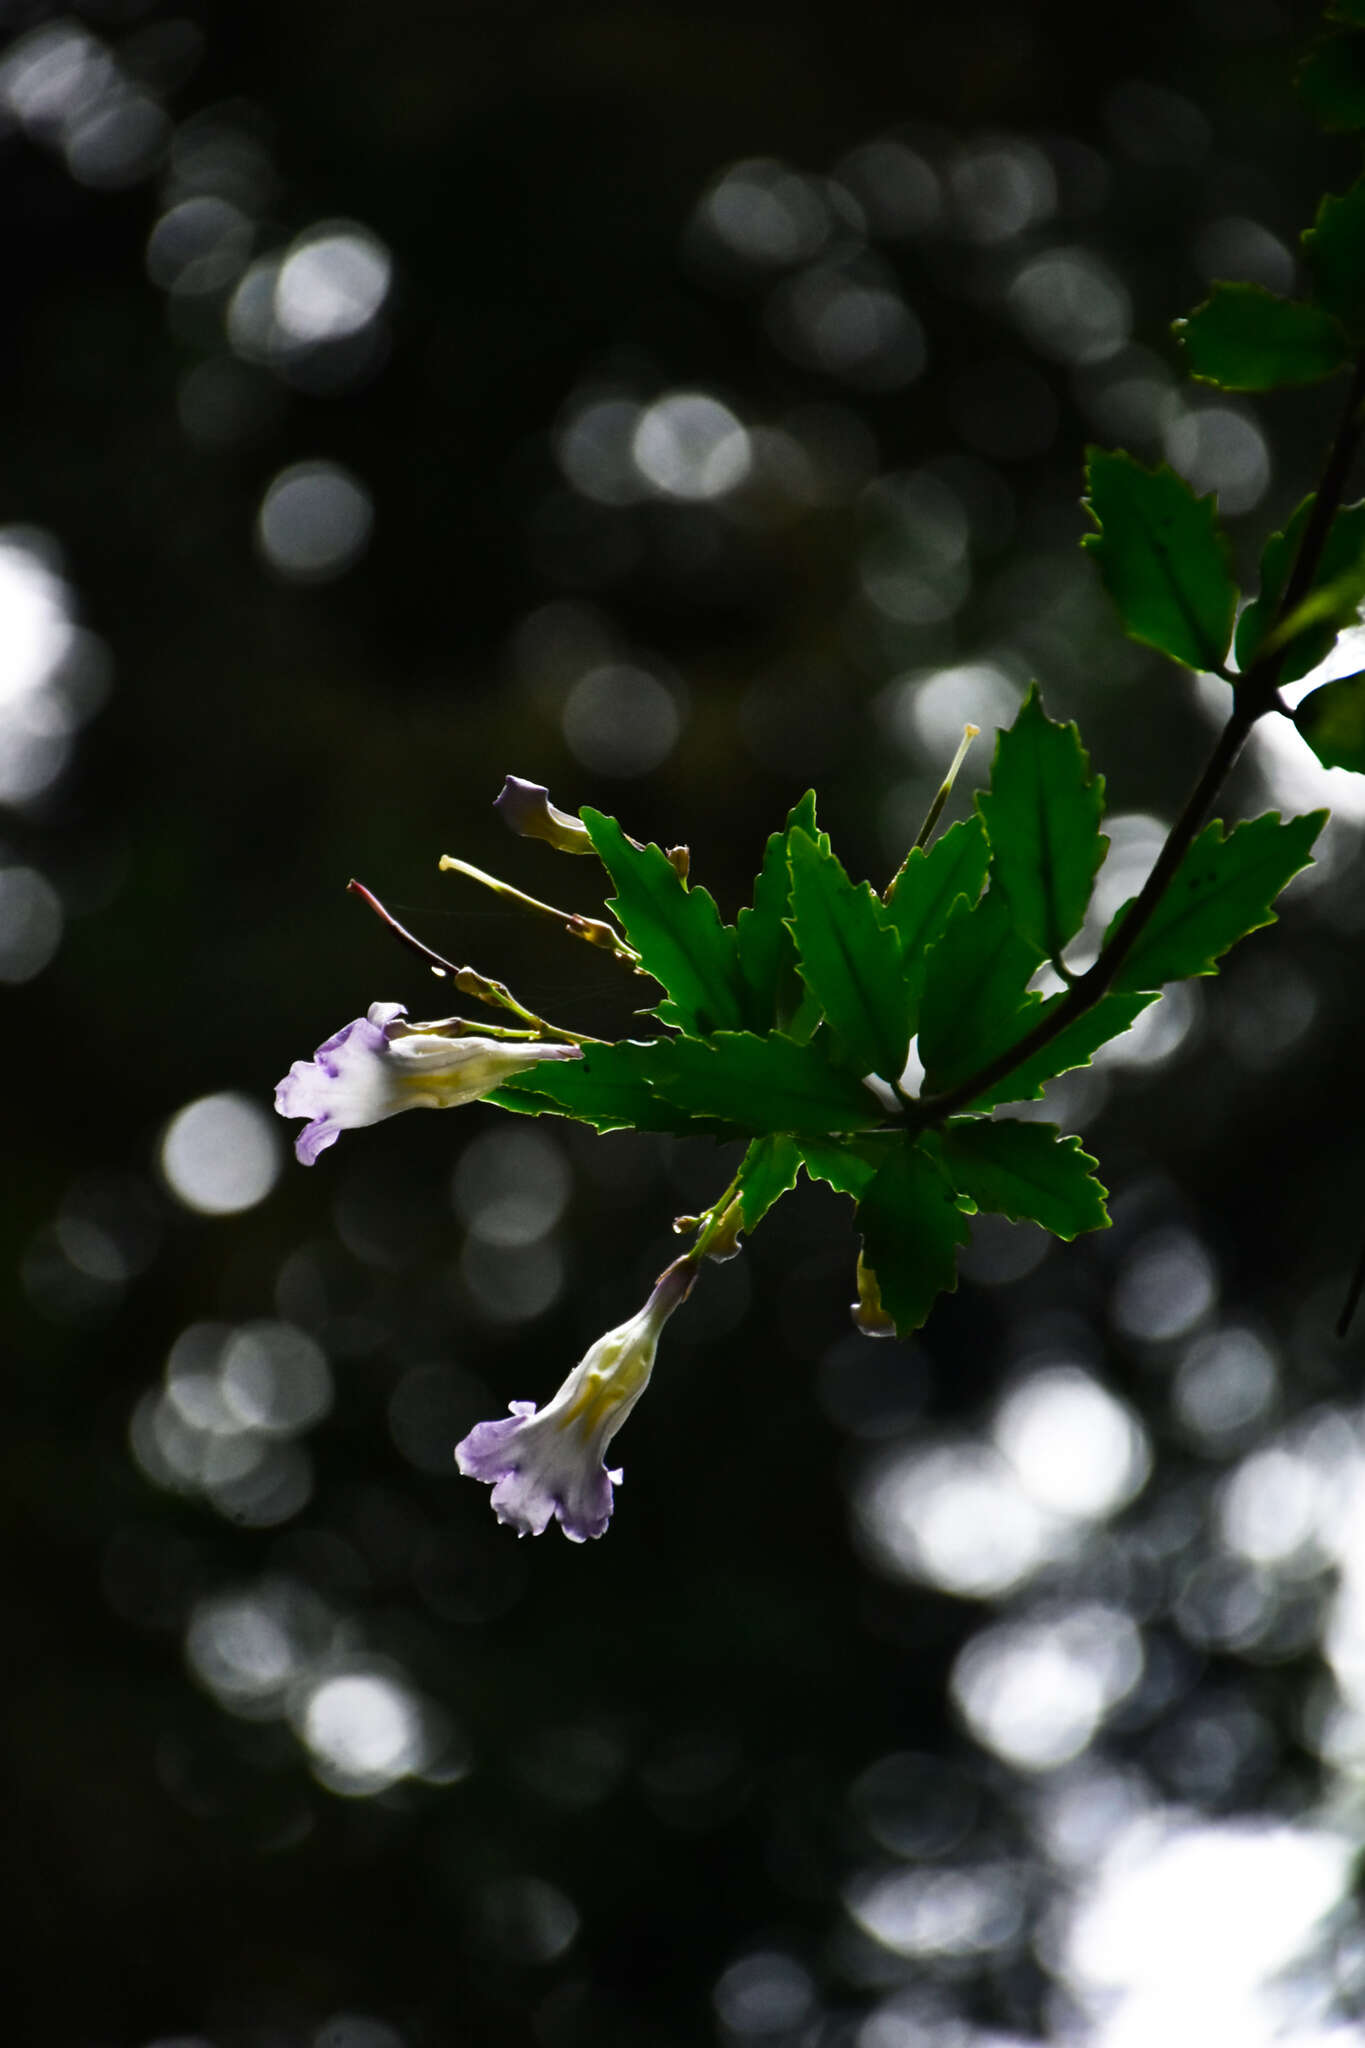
[
  {"x": 548, "y": 1463},
  {"x": 373, "y": 1068}
]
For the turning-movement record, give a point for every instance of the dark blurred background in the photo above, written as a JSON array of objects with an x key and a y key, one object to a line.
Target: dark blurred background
[{"x": 678, "y": 406}]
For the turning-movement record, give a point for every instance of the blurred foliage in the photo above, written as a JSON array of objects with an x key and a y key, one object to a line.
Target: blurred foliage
[{"x": 298, "y": 562}]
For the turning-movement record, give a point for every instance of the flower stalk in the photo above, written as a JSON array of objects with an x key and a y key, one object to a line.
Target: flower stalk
[
  {"x": 593, "y": 929},
  {"x": 495, "y": 993}
]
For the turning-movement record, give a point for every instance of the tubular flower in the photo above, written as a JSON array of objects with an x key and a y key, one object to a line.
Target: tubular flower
[
  {"x": 376, "y": 1066},
  {"x": 549, "y": 1462}
]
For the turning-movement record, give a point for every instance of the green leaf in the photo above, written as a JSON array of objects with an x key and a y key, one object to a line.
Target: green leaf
[
  {"x": 1339, "y": 580},
  {"x": 801, "y": 818},
  {"x": 1025, "y": 1171},
  {"x": 912, "y": 1228},
  {"x": 1333, "y": 247},
  {"x": 766, "y": 948},
  {"x": 721, "y": 1087},
  {"x": 974, "y": 991},
  {"x": 1332, "y": 720},
  {"x": 677, "y": 931},
  {"x": 1325, "y": 610},
  {"x": 612, "y": 1088},
  {"x": 1332, "y": 82},
  {"x": 1163, "y": 558},
  {"x": 762, "y": 1084},
  {"x": 1042, "y": 814},
  {"x": 851, "y": 1165},
  {"x": 925, "y": 890},
  {"x": 1244, "y": 338},
  {"x": 1074, "y": 1046},
  {"x": 1222, "y": 890},
  {"x": 850, "y": 959},
  {"x": 1253, "y": 627},
  {"x": 769, "y": 1168},
  {"x": 806, "y": 1020}
]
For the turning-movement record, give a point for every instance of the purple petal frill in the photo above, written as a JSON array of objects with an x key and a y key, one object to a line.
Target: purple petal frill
[
  {"x": 547, "y": 1463},
  {"x": 538, "y": 1474}
]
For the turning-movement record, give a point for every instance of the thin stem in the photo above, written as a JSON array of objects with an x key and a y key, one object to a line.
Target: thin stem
[
  {"x": 969, "y": 733},
  {"x": 711, "y": 1220},
  {"x": 460, "y": 1027},
  {"x": 1257, "y": 693},
  {"x": 590, "y": 928},
  {"x": 926, "y": 830},
  {"x": 495, "y": 993},
  {"x": 716, "y": 1218}
]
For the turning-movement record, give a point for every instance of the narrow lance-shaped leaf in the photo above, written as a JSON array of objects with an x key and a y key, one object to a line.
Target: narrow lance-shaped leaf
[
  {"x": 974, "y": 991},
  {"x": 1222, "y": 890},
  {"x": 1332, "y": 720},
  {"x": 762, "y": 1084},
  {"x": 766, "y": 948},
  {"x": 1163, "y": 558},
  {"x": 1339, "y": 577},
  {"x": 912, "y": 1230},
  {"x": 929, "y": 883},
  {"x": 1025, "y": 1171},
  {"x": 677, "y": 931},
  {"x": 1245, "y": 338},
  {"x": 1332, "y": 246},
  {"x": 849, "y": 957},
  {"x": 1043, "y": 813}
]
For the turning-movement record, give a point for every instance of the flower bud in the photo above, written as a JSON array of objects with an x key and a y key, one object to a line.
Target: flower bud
[
  {"x": 526, "y": 808},
  {"x": 868, "y": 1314}
]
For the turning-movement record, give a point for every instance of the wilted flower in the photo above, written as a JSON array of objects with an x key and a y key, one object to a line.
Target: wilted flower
[
  {"x": 548, "y": 1462},
  {"x": 376, "y": 1066}
]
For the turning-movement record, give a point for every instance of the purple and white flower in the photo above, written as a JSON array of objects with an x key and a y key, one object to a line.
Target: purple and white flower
[
  {"x": 549, "y": 1462},
  {"x": 376, "y": 1066}
]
